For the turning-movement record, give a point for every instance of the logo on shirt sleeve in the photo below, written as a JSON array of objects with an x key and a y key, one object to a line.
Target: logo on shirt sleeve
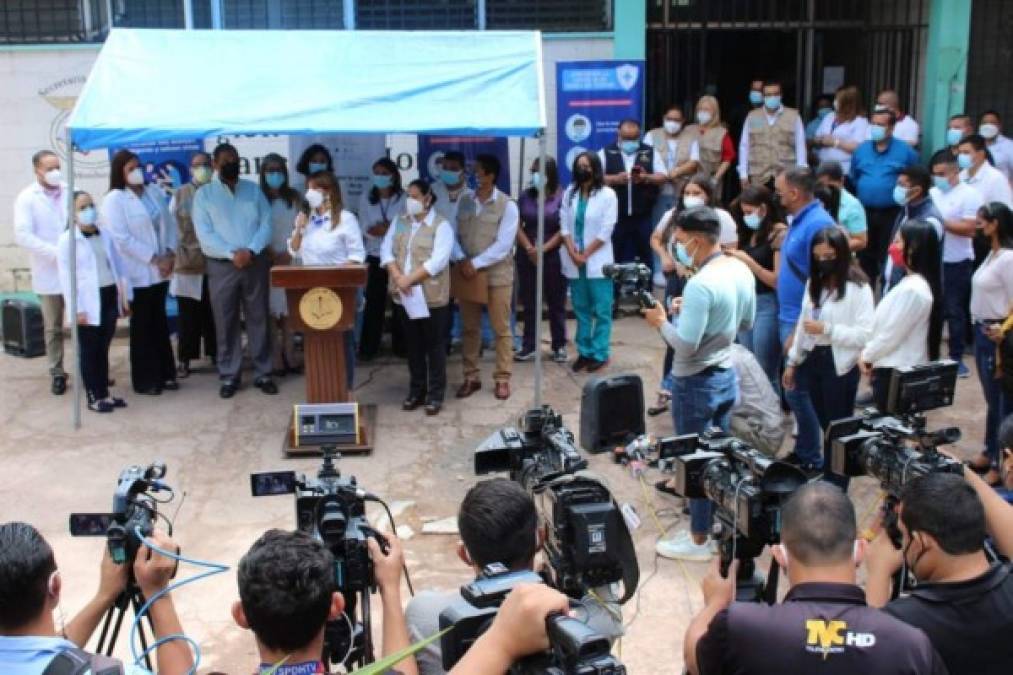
[{"x": 833, "y": 637}]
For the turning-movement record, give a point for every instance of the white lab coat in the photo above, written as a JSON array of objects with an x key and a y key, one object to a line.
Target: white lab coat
[
  {"x": 38, "y": 223},
  {"x": 599, "y": 221},
  {"x": 88, "y": 298},
  {"x": 125, "y": 219}
]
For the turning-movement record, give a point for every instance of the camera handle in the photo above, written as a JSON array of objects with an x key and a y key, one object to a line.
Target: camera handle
[{"x": 130, "y": 597}]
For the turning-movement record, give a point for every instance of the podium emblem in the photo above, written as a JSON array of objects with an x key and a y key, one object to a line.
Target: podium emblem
[{"x": 320, "y": 308}]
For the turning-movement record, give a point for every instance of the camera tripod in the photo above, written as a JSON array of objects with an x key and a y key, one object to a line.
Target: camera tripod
[{"x": 130, "y": 597}]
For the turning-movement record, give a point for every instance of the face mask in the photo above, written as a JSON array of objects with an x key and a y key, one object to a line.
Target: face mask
[
  {"x": 629, "y": 147},
  {"x": 755, "y": 97},
  {"x": 682, "y": 255},
  {"x": 704, "y": 116},
  {"x": 943, "y": 183},
  {"x": 86, "y": 216},
  {"x": 52, "y": 178},
  {"x": 136, "y": 176},
  {"x": 450, "y": 177},
  {"x": 382, "y": 181},
  {"x": 536, "y": 179},
  {"x": 752, "y": 220},
  {"x": 229, "y": 171},
  {"x": 672, "y": 127},
  {"x": 877, "y": 132},
  {"x": 825, "y": 267},
  {"x": 836, "y": 105},
  {"x": 691, "y": 201},
  {"x": 317, "y": 167},
  {"x": 823, "y": 112},
  {"x": 582, "y": 174},
  {"x": 414, "y": 206},
  {"x": 201, "y": 174},
  {"x": 989, "y": 131},
  {"x": 953, "y": 136},
  {"x": 964, "y": 160},
  {"x": 274, "y": 179},
  {"x": 314, "y": 198},
  {"x": 772, "y": 102},
  {"x": 900, "y": 195},
  {"x": 896, "y": 251}
]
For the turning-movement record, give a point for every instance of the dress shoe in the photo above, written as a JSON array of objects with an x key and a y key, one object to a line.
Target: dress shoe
[
  {"x": 100, "y": 406},
  {"x": 228, "y": 389},
  {"x": 595, "y": 365},
  {"x": 412, "y": 403},
  {"x": 468, "y": 388},
  {"x": 59, "y": 386},
  {"x": 171, "y": 385},
  {"x": 580, "y": 364},
  {"x": 433, "y": 408},
  {"x": 118, "y": 402},
  {"x": 266, "y": 386},
  {"x": 502, "y": 390},
  {"x": 150, "y": 391},
  {"x": 183, "y": 370}
]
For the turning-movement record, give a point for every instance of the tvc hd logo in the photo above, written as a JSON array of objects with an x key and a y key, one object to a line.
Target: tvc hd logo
[{"x": 833, "y": 637}]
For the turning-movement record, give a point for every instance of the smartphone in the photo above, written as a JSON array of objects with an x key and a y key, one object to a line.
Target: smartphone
[
  {"x": 272, "y": 483},
  {"x": 90, "y": 524}
]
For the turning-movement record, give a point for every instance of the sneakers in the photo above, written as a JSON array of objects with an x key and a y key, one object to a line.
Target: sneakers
[
  {"x": 963, "y": 372},
  {"x": 524, "y": 355},
  {"x": 682, "y": 547},
  {"x": 864, "y": 398},
  {"x": 560, "y": 355}
]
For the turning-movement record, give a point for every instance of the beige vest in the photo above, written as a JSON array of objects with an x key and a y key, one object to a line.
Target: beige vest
[
  {"x": 477, "y": 232},
  {"x": 436, "y": 289},
  {"x": 189, "y": 259},
  {"x": 708, "y": 141},
  {"x": 660, "y": 140},
  {"x": 771, "y": 146}
]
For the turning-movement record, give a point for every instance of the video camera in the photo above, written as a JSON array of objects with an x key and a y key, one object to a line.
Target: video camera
[
  {"x": 587, "y": 542},
  {"x": 633, "y": 280},
  {"x": 332, "y": 509},
  {"x": 573, "y": 646}
]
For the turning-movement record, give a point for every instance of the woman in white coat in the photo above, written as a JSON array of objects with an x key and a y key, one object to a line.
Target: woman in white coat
[
  {"x": 102, "y": 297},
  {"x": 137, "y": 218},
  {"x": 587, "y": 217}
]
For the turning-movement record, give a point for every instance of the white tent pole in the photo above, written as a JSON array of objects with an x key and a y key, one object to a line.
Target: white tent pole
[
  {"x": 188, "y": 14},
  {"x": 348, "y": 12},
  {"x": 539, "y": 271},
  {"x": 217, "y": 15},
  {"x": 78, "y": 382}
]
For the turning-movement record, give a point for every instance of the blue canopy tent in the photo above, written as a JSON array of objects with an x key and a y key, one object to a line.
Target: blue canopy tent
[{"x": 163, "y": 85}]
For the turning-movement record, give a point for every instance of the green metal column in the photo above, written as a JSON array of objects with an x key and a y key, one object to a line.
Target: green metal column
[
  {"x": 630, "y": 20},
  {"x": 945, "y": 69}
]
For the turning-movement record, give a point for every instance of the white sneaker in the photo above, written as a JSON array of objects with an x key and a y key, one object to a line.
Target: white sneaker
[{"x": 684, "y": 548}]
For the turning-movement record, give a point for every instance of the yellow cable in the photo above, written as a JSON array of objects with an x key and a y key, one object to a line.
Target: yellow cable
[
  {"x": 649, "y": 504},
  {"x": 867, "y": 533}
]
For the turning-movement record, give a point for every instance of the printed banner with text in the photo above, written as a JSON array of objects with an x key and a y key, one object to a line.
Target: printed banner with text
[{"x": 432, "y": 149}]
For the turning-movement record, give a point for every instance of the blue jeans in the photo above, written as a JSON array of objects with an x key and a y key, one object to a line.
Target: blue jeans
[
  {"x": 807, "y": 443},
  {"x": 699, "y": 403},
  {"x": 763, "y": 339},
  {"x": 956, "y": 297},
  {"x": 995, "y": 398}
]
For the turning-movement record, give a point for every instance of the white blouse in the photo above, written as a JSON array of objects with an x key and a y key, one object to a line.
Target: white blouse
[
  {"x": 324, "y": 245},
  {"x": 992, "y": 287},
  {"x": 847, "y": 326},
  {"x": 901, "y": 325},
  {"x": 370, "y": 215}
]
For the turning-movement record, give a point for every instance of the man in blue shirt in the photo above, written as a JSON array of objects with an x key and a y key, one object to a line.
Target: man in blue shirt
[
  {"x": 233, "y": 222},
  {"x": 795, "y": 188},
  {"x": 875, "y": 166}
]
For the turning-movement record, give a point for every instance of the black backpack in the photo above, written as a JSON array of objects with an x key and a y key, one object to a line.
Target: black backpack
[{"x": 79, "y": 662}]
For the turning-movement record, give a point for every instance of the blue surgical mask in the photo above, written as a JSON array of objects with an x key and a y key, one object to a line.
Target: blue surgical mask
[
  {"x": 682, "y": 255},
  {"x": 752, "y": 220},
  {"x": 877, "y": 132},
  {"x": 755, "y": 97},
  {"x": 964, "y": 160},
  {"x": 317, "y": 167},
  {"x": 629, "y": 147},
  {"x": 900, "y": 195},
  {"x": 772, "y": 102},
  {"x": 87, "y": 215},
  {"x": 274, "y": 179},
  {"x": 536, "y": 179},
  {"x": 382, "y": 181},
  {"x": 943, "y": 183},
  {"x": 823, "y": 112},
  {"x": 450, "y": 177},
  {"x": 953, "y": 136}
]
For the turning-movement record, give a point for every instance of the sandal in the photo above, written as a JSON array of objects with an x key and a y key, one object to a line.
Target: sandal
[{"x": 661, "y": 405}]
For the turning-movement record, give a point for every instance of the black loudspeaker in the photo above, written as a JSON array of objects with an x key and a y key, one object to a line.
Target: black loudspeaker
[
  {"x": 22, "y": 329},
  {"x": 611, "y": 412}
]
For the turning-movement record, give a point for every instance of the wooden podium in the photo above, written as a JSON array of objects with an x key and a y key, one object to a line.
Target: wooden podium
[{"x": 322, "y": 305}]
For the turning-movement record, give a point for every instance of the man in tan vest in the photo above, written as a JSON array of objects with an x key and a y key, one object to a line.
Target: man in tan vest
[
  {"x": 773, "y": 140},
  {"x": 486, "y": 229}
]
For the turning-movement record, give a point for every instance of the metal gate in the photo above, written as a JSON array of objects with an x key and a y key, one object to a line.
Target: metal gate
[
  {"x": 988, "y": 61},
  {"x": 697, "y": 47}
]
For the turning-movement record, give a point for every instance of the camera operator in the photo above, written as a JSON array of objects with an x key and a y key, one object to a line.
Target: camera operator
[
  {"x": 824, "y": 625},
  {"x": 718, "y": 302},
  {"x": 30, "y": 586},
  {"x": 964, "y": 604},
  {"x": 287, "y": 595},
  {"x": 498, "y": 523}
]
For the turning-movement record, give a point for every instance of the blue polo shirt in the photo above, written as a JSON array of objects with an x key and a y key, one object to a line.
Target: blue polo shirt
[
  {"x": 795, "y": 252},
  {"x": 31, "y": 655},
  {"x": 874, "y": 173}
]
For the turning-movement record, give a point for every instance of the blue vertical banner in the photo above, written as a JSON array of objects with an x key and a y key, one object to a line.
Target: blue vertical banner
[
  {"x": 592, "y": 98},
  {"x": 165, "y": 162},
  {"x": 432, "y": 149}
]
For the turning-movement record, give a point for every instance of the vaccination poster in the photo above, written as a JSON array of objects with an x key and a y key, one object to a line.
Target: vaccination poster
[{"x": 432, "y": 149}]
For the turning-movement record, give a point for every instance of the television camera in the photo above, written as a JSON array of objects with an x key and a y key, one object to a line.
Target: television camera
[{"x": 633, "y": 280}]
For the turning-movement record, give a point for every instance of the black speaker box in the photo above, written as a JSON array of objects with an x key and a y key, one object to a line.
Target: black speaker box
[
  {"x": 611, "y": 411},
  {"x": 22, "y": 328}
]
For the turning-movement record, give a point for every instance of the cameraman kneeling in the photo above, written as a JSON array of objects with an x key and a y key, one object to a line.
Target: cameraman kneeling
[
  {"x": 823, "y": 626},
  {"x": 498, "y": 523},
  {"x": 287, "y": 595},
  {"x": 963, "y": 603},
  {"x": 30, "y": 586}
]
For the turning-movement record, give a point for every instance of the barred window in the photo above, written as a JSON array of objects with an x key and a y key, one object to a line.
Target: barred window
[
  {"x": 30, "y": 21},
  {"x": 415, "y": 14},
  {"x": 549, "y": 15}
]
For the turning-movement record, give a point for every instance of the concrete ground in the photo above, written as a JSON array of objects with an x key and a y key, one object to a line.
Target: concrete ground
[{"x": 48, "y": 470}]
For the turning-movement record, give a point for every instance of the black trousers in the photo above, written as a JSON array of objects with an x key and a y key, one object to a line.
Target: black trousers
[
  {"x": 873, "y": 256},
  {"x": 375, "y": 313},
  {"x": 426, "y": 340},
  {"x": 151, "y": 361},
  {"x": 554, "y": 296},
  {"x": 196, "y": 324},
  {"x": 93, "y": 346}
]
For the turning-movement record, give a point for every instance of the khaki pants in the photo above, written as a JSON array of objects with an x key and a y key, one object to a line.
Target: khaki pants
[
  {"x": 500, "y": 299},
  {"x": 52, "y": 319}
]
